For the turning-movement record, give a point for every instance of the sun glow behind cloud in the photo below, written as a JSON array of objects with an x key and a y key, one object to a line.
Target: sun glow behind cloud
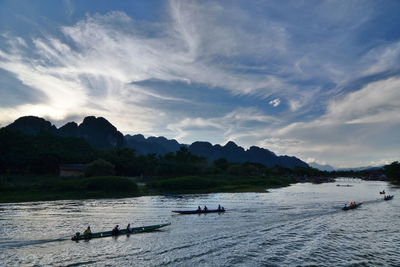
[{"x": 317, "y": 91}]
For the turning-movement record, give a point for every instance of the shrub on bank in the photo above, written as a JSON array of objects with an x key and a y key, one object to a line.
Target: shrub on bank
[
  {"x": 109, "y": 184},
  {"x": 99, "y": 167},
  {"x": 185, "y": 183},
  {"x": 103, "y": 184}
]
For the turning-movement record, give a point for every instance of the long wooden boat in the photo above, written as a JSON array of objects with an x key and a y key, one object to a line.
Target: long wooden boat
[
  {"x": 172, "y": 195},
  {"x": 134, "y": 230},
  {"x": 388, "y": 197},
  {"x": 198, "y": 211},
  {"x": 350, "y": 207}
]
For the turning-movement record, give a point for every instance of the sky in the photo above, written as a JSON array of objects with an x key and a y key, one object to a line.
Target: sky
[{"x": 319, "y": 80}]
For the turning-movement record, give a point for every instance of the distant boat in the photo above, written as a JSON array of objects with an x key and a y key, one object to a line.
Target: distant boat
[
  {"x": 388, "y": 197},
  {"x": 345, "y": 185},
  {"x": 350, "y": 207},
  {"x": 134, "y": 230},
  {"x": 198, "y": 211},
  {"x": 172, "y": 195}
]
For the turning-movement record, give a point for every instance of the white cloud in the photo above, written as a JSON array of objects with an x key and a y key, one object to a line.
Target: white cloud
[
  {"x": 376, "y": 102},
  {"x": 276, "y": 102},
  {"x": 102, "y": 55},
  {"x": 384, "y": 58},
  {"x": 97, "y": 66},
  {"x": 362, "y": 124},
  {"x": 230, "y": 127}
]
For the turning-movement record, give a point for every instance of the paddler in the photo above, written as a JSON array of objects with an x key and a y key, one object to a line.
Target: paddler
[
  {"x": 128, "y": 228},
  {"x": 87, "y": 232},
  {"x": 115, "y": 231}
]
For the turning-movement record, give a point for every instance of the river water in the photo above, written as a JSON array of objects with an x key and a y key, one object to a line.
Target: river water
[{"x": 300, "y": 225}]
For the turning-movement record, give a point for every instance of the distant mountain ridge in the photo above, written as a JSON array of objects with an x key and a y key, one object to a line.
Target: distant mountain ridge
[
  {"x": 103, "y": 135},
  {"x": 364, "y": 168},
  {"x": 321, "y": 167},
  {"x": 97, "y": 131},
  {"x": 235, "y": 153},
  {"x": 329, "y": 168}
]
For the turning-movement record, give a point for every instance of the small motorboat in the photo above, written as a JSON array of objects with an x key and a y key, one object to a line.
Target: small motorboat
[
  {"x": 388, "y": 197},
  {"x": 351, "y": 206}
]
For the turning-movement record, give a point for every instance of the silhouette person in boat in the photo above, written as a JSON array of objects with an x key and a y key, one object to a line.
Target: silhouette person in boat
[
  {"x": 115, "y": 231},
  {"x": 205, "y": 209},
  {"x": 387, "y": 197},
  {"x": 87, "y": 232},
  {"x": 198, "y": 209}
]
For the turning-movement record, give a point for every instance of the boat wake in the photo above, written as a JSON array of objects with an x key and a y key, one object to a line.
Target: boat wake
[{"x": 29, "y": 242}]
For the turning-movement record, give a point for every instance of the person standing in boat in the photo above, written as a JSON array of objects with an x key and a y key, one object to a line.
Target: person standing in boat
[
  {"x": 198, "y": 209},
  {"x": 205, "y": 208},
  {"x": 128, "y": 228},
  {"x": 219, "y": 207},
  {"x": 87, "y": 232}
]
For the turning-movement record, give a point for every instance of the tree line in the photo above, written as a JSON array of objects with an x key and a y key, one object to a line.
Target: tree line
[{"x": 44, "y": 153}]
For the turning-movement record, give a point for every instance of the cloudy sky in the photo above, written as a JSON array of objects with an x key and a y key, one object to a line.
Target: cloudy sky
[{"x": 319, "y": 80}]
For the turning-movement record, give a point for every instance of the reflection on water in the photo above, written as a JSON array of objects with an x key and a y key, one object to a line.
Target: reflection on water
[{"x": 300, "y": 225}]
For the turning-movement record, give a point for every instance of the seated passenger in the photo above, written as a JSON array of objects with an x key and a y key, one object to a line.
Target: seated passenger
[
  {"x": 115, "y": 231},
  {"x": 198, "y": 208},
  {"x": 87, "y": 232}
]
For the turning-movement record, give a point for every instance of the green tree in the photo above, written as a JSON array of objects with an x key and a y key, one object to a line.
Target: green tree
[
  {"x": 221, "y": 164},
  {"x": 243, "y": 169},
  {"x": 99, "y": 167},
  {"x": 392, "y": 171}
]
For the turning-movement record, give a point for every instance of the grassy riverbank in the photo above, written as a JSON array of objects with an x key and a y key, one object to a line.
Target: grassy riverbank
[
  {"x": 21, "y": 188},
  {"x": 217, "y": 183}
]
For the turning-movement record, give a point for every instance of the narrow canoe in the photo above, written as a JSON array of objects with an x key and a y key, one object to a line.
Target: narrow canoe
[
  {"x": 172, "y": 195},
  {"x": 134, "y": 230},
  {"x": 351, "y": 207},
  {"x": 197, "y": 211}
]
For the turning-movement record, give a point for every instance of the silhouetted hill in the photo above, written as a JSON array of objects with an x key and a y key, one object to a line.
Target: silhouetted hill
[
  {"x": 102, "y": 134},
  {"x": 32, "y": 125},
  {"x": 69, "y": 129},
  {"x": 97, "y": 131},
  {"x": 235, "y": 153},
  {"x": 321, "y": 167},
  {"x": 156, "y": 145},
  {"x": 365, "y": 168}
]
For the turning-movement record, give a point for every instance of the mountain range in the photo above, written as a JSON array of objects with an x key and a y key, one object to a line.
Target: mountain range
[
  {"x": 103, "y": 135},
  {"x": 329, "y": 168},
  {"x": 321, "y": 167}
]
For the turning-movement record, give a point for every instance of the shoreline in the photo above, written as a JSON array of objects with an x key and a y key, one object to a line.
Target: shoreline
[{"x": 18, "y": 189}]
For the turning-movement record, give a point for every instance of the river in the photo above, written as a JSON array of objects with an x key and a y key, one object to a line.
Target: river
[{"x": 299, "y": 225}]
